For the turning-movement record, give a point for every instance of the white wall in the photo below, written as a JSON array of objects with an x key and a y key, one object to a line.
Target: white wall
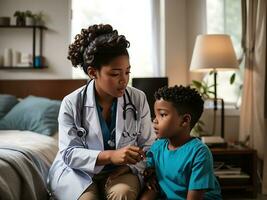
[
  {"x": 175, "y": 41},
  {"x": 184, "y": 20},
  {"x": 55, "y": 40}
]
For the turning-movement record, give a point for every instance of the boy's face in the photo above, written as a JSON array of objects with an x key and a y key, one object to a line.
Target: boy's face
[{"x": 168, "y": 122}]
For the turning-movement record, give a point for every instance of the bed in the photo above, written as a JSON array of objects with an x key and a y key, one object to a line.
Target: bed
[{"x": 28, "y": 150}]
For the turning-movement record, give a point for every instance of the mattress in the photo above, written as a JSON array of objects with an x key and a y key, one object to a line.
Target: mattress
[{"x": 25, "y": 159}]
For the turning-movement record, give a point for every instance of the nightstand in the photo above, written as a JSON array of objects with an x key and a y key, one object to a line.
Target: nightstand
[{"x": 244, "y": 159}]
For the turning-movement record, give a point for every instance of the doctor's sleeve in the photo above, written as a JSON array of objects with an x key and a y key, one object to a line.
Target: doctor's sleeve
[
  {"x": 71, "y": 148},
  {"x": 147, "y": 135},
  {"x": 145, "y": 138}
]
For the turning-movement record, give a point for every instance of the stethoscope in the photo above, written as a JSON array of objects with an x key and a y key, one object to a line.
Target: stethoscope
[{"x": 127, "y": 107}]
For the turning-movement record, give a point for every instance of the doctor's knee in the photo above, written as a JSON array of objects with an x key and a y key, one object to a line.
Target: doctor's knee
[
  {"x": 121, "y": 192},
  {"x": 126, "y": 186}
]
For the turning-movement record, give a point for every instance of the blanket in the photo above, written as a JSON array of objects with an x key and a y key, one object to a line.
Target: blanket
[
  {"x": 22, "y": 175},
  {"x": 25, "y": 158}
]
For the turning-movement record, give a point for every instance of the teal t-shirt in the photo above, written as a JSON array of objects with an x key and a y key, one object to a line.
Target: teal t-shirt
[{"x": 190, "y": 167}]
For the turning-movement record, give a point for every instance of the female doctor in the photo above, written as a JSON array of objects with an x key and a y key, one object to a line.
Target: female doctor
[{"x": 104, "y": 127}]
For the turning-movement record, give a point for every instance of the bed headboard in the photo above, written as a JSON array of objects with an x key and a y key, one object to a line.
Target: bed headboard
[{"x": 53, "y": 89}]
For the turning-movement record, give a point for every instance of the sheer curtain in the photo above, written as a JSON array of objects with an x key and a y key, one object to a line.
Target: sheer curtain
[
  {"x": 252, "y": 120},
  {"x": 155, "y": 38},
  {"x": 138, "y": 20}
]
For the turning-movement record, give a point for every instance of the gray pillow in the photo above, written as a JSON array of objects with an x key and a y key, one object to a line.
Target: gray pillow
[
  {"x": 6, "y": 103},
  {"x": 36, "y": 114}
]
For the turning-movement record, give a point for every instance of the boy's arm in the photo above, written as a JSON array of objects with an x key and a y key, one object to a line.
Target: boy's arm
[
  {"x": 150, "y": 191},
  {"x": 148, "y": 195},
  {"x": 195, "y": 195},
  {"x": 150, "y": 179}
]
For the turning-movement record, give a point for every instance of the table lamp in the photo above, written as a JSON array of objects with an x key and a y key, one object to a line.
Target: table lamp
[{"x": 214, "y": 52}]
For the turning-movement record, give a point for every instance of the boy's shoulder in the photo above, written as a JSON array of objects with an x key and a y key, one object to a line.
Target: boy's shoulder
[
  {"x": 158, "y": 144},
  {"x": 194, "y": 146},
  {"x": 197, "y": 144},
  {"x": 200, "y": 149}
]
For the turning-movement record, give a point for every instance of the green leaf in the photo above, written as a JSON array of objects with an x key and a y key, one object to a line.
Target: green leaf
[
  {"x": 211, "y": 92},
  {"x": 197, "y": 84},
  {"x": 211, "y": 72},
  {"x": 211, "y": 86},
  {"x": 201, "y": 122},
  {"x": 232, "y": 79}
]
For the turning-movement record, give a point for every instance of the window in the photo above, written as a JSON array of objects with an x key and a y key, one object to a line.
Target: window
[
  {"x": 130, "y": 18},
  {"x": 224, "y": 16}
]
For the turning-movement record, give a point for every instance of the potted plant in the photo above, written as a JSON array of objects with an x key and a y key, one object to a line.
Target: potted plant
[
  {"x": 30, "y": 21},
  {"x": 205, "y": 91},
  {"x": 20, "y": 18},
  {"x": 39, "y": 19}
]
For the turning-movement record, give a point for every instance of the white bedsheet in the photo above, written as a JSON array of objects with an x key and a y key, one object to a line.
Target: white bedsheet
[
  {"x": 45, "y": 146},
  {"x": 25, "y": 158}
]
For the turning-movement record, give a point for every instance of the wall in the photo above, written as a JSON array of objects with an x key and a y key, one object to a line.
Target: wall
[
  {"x": 184, "y": 20},
  {"x": 55, "y": 40},
  {"x": 175, "y": 41},
  {"x": 182, "y": 23}
]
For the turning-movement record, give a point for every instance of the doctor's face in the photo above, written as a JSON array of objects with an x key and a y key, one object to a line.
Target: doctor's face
[{"x": 112, "y": 79}]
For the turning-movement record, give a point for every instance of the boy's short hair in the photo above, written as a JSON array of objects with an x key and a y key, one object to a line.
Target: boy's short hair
[{"x": 186, "y": 100}]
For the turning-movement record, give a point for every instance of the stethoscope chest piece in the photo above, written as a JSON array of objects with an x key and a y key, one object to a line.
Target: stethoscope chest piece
[
  {"x": 111, "y": 143},
  {"x": 81, "y": 132}
]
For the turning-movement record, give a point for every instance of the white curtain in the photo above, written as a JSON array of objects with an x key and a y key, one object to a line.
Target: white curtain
[
  {"x": 155, "y": 38},
  {"x": 252, "y": 121}
]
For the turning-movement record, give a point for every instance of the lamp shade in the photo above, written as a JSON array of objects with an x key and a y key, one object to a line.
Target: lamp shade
[{"x": 213, "y": 51}]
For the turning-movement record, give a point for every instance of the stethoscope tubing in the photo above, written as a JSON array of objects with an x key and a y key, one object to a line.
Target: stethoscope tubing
[{"x": 82, "y": 133}]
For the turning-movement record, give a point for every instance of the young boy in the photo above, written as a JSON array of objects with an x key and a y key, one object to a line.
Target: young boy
[{"x": 183, "y": 165}]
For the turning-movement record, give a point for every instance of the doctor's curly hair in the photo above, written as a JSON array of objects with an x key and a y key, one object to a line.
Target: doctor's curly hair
[
  {"x": 97, "y": 46},
  {"x": 186, "y": 100}
]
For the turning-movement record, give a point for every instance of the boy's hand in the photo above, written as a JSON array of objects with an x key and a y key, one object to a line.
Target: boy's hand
[
  {"x": 150, "y": 179},
  {"x": 152, "y": 184}
]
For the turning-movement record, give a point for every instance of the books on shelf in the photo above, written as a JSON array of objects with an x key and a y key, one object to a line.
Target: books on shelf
[
  {"x": 234, "y": 176},
  {"x": 225, "y": 171},
  {"x": 228, "y": 171}
]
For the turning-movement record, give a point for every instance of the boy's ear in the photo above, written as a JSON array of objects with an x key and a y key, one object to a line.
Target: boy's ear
[{"x": 186, "y": 120}]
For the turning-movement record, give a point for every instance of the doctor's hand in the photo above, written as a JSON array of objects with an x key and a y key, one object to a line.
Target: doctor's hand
[{"x": 127, "y": 155}]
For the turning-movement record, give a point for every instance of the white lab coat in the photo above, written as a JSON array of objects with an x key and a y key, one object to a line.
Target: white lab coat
[{"x": 74, "y": 166}]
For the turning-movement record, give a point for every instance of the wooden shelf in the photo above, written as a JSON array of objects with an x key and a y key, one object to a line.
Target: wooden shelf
[
  {"x": 34, "y": 30},
  {"x": 31, "y": 27},
  {"x": 26, "y": 67},
  {"x": 234, "y": 187}
]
